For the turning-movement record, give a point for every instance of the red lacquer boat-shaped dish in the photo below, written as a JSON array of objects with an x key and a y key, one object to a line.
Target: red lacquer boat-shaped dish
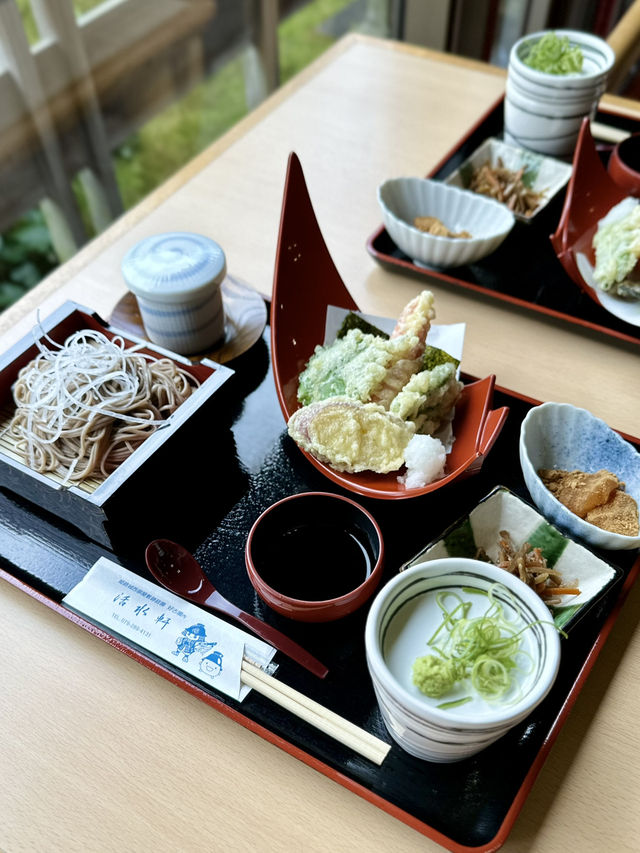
[
  {"x": 306, "y": 282},
  {"x": 590, "y": 196}
]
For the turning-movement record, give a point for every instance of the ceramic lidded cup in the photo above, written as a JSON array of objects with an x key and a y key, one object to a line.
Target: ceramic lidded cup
[{"x": 176, "y": 279}]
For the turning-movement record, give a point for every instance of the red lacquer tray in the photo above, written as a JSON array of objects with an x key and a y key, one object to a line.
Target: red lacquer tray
[{"x": 470, "y": 806}]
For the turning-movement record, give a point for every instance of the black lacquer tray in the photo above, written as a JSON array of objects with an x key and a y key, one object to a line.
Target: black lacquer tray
[
  {"x": 468, "y": 805},
  {"x": 524, "y": 270}
]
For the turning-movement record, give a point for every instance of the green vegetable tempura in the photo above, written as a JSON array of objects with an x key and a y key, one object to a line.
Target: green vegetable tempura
[{"x": 554, "y": 55}]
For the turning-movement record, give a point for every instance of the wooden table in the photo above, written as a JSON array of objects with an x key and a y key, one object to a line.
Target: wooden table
[{"x": 89, "y": 737}]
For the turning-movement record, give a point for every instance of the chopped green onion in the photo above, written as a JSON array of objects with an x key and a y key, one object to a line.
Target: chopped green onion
[
  {"x": 455, "y": 703},
  {"x": 484, "y": 650},
  {"x": 554, "y": 55}
]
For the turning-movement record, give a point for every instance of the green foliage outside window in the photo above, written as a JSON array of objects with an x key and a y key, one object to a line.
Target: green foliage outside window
[{"x": 166, "y": 142}]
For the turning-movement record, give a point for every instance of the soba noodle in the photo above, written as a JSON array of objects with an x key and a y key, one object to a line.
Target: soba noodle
[{"x": 84, "y": 407}]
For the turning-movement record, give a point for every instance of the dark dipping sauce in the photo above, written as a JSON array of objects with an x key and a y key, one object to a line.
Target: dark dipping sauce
[{"x": 316, "y": 562}]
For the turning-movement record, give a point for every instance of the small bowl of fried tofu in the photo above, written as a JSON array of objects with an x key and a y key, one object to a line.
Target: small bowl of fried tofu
[
  {"x": 582, "y": 475},
  {"x": 442, "y": 226}
]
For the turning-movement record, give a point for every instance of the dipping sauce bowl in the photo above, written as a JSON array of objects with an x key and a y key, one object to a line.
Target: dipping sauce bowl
[
  {"x": 624, "y": 164},
  {"x": 315, "y": 556}
]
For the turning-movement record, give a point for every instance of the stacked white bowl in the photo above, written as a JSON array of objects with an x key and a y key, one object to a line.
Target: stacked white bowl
[
  {"x": 543, "y": 111},
  {"x": 404, "y": 615}
]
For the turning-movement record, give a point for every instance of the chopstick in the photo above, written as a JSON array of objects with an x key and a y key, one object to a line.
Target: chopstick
[
  {"x": 317, "y": 715},
  {"x": 606, "y": 133}
]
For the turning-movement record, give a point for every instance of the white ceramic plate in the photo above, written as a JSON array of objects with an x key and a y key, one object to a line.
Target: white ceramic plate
[{"x": 624, "y": 309}]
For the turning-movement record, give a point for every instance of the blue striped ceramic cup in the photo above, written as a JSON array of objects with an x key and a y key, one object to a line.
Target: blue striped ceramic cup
[
  {"x": 176, "y": 279},
  {"x": 544, "y": 111}
]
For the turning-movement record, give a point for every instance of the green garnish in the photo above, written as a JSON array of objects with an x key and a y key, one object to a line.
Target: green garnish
[
  {"x": 454, "y": 703},
  {"x": 554, "y": 55},
  {"x": 354, "y": 321},
  {"x": 483, "y": 651}
]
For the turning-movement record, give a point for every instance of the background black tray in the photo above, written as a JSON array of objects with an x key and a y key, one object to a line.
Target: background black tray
[
  {"x": 524, "y": 270},
  {"x": 472, "y": 803}
]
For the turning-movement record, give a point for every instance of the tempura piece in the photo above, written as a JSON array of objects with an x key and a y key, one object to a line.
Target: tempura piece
[
  {"x": 433, "y": 356},
  {"x": 350, "y": 435},
  {"x": 415, "y": 319},
  {"x": 367, "y": 367},
  {"x": 413, "y": 324},
  {"x": 617, "y": 249},
  {"x": 428, "y": 398}
]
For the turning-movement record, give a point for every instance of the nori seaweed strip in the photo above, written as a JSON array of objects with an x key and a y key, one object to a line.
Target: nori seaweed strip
[
  {"x": 434, "y": 356},
  {"x": 354, "y": 321}
]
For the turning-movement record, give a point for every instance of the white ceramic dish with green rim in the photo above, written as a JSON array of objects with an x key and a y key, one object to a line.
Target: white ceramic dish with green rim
[
  {"x": 544, "y": 175},
  {"x": 500, "y": 510}
]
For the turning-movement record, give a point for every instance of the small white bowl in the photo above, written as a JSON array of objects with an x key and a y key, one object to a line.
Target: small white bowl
[
  {"x": 403, "y": 199},
  {"x": 405, "y": 614},
  {"x": 558, "y": 435}
]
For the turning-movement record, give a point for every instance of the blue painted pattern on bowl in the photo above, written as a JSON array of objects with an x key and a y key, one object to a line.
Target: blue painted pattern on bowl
[{"x": 559, "y": 435}]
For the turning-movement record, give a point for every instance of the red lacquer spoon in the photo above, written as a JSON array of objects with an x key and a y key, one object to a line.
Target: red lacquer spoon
[{"x": 179, "y": 572}]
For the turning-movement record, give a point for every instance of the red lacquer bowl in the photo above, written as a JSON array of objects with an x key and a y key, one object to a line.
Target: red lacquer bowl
[
  {"x": 306, "y": 281},
  {"x": 310, "y": 566},
  {"x": 624, "y": 164}
]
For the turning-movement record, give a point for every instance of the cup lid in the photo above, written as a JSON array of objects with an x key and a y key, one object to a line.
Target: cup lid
[{"x": 174, "y": 266}]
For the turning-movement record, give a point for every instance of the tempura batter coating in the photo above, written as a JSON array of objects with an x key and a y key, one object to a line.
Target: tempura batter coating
[
  {"x": 350, "y": 435},
  {"x": 428, "y": 398},
  {"x": 366, "y": 367}
]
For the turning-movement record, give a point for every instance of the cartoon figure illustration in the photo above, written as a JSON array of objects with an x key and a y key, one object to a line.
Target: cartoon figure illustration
[
  {"x": 190, "y": 639},
  {"x": 212, "y": 664}
]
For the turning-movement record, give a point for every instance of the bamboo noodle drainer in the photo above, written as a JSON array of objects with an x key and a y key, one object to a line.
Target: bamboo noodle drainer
[{"x": 312, "y": 712}]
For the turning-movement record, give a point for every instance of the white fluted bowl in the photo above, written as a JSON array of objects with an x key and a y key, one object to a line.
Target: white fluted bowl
[
  {"x": 558, "y": 435},
  {"x": 403, "y": 199},
  {"x": 405, "y": 614}
]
